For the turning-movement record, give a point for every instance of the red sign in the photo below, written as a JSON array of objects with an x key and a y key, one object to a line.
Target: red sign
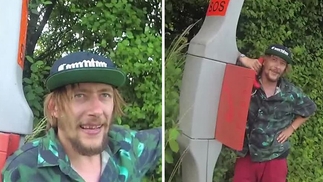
[
  {"x": 23, "y": 34},
  {"x": 217, "y": 8},
  {"x": 233, "y": 107}
]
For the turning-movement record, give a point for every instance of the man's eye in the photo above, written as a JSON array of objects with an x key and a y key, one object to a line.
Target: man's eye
[
  {"x": 78, "y": 95},
  {"x": 106, "y": 95}
]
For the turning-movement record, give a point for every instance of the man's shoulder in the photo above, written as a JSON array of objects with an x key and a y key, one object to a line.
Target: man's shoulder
[
  {"x": 118, "y": 132},
  {"x": 125, "y": 138},
  {"x": 24, "y": 157},
  {"x": 144, "y": 147},
  {"x": 288, "y": 86}
]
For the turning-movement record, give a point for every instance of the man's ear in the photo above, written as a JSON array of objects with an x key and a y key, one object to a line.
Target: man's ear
[
  {"x": 265, "y": 59},
  {"x": 55, "y": 112},
  {"x": 52, "y": 107}
]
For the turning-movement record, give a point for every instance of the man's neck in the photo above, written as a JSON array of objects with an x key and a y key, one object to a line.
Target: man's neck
[
  {"x": 269, "y": 87},
  {"x": 88, "y": 167},
  {"x": 80, "y": 161}
]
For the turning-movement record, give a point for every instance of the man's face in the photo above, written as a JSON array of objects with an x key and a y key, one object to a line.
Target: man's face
[
  {"x": 86, "y": 125},
  {"x": 273, "y": 68}
]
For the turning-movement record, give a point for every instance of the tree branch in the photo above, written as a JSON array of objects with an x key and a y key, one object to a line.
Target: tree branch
[
  {"x": 52, "y": 51},
  {"x": 36, "y": 35}
]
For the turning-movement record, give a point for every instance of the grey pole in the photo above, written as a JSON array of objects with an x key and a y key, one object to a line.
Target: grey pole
[{"x": 15, "y": 114}]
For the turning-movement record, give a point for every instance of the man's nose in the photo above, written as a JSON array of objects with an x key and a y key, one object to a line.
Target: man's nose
[
  {"x": 279, "y": 66},
  {"x": 96, "y": 107}
]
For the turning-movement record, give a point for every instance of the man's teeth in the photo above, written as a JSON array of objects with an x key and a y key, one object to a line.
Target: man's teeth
[{"x": 91, "y": 127}]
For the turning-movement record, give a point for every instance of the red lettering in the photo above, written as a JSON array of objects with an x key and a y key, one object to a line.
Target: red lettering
[{"x": 217, "y": 8}]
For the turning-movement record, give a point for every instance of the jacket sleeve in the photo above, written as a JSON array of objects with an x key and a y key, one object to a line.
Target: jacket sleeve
[
  {"x": 150, "y": 149},
  {"x": 304, "y": 106},
  {"x": 12, "y": 171}
]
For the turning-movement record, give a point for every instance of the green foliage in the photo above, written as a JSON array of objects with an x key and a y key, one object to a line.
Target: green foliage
[
  {"x": 298, "y": 25},
  {"x": 34, "y": 88},
  {"x": 129, "y": 32},
  {"x": 179, "y": 15}
]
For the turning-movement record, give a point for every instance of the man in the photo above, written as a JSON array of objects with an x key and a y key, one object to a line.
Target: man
[
  {"x": 277, "y": 109},
  {"x": 82, "y": 144}
]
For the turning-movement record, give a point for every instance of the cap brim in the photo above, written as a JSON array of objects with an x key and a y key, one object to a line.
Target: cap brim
[
  {"x": 112, "y": 77},
  {"x": 279, "y": 54}
]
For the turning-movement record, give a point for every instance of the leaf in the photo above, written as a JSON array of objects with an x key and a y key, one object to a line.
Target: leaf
[
  {"x": 39, "y": 90},
  {"x": 30, "y": 96},
  {"x": 30, "y": 59},
  {"x": 99, "y": 4},
  {"x": 27, "y": 80},
  {"x": 168, "y": 157},
  {"x": 173, "y": 134},
  {"x": 37, "y": 105},
  {"x": 34, "y": 11},
  {"x": 126, "y": 42},
  {"x": 34, "y": 68},
  {"x": 36, "y": 113},
  {"x": 174, "y": 146},
  {"x": 104, "y": 43},
  {"x": 109, "y": 5},
  {"x": 129, "y": 35},
  {"x": 146, "y": 29},
  {"x": 47, "y": 2}
]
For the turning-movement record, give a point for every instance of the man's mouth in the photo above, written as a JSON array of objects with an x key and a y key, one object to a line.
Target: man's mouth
[
  {"x": 91, "y": 126},
  {"x": 90, "y": 129},
  {"x": 275, "y": 72}
]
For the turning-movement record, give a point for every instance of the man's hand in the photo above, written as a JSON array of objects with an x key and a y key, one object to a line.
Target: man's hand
[
  {"x": 285, "y": 134},
  {"x": 251, "y": 63}
]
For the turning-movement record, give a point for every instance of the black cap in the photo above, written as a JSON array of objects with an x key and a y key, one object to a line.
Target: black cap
[
  {"x": 82, "y": 67},
  {"x": 280, "y": 51}
]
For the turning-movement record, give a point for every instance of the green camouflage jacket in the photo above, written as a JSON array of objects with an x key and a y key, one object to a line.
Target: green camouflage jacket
[
  {"x": 267, "y": 117},
  {"x": 130, "y": 155}
]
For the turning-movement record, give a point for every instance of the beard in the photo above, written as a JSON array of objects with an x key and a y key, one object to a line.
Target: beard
[
  {"x": 76, "y": 143},
  {"x": 273, "y": 78},
  {"x": 80, "y": 148}
]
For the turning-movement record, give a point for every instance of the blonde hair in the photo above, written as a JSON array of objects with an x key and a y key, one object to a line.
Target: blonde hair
[{"x": 60, "y": 98}]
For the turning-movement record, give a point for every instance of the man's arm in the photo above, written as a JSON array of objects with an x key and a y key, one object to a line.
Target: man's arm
[
  {"x": 298, "y": 122},
  {"x": 303, "y": 109},
  {"x": 11, "y": 176},
  {"x": 242, "y": 60},
  {"x": 12, "y": 171},
  {"x": 21, "y": 166},
  {"x": 152, "y": 149},
  {"x": 247, "y": 62}
]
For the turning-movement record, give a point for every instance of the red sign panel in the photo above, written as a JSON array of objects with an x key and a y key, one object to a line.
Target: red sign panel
[
  {"x": 23, "y": 33},
  {"x": 217, "y": 8},
  {"x": 8, "y": 145},
  {"x": 234, "y": 105}
]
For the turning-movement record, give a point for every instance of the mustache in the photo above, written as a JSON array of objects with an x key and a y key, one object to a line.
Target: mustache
[
  {"x": 94, "y": 122},
  {"x": 276, "y": 71}
]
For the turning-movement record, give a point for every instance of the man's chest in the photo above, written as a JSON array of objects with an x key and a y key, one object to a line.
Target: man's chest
[
  {"x": 276, "y": 108},
  {"x": 116, "y": 170}
]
